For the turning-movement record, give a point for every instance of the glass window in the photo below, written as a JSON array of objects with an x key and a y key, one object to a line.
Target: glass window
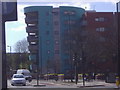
[
  {"x": 48, "y": 51},
  {"x": 56, "y": 51},
  {"x": 47, "y": 13},
  {"x": 100, "y": 19},
  {"x": 102, "y": 39},
  {"x": 55, "y": 13},
  {"x": 96, "y": 19},
  {"x": 47, "y": 32},
  {"x": 48, "y": 42},
  {"x": 69, "y": 12},
  {"x": 101, "y": 29},
  {"x": 56, "y": 42},
  {"x": 56, "y": 23},
  {"x": 47, "y": 23},
  {"x": 56, "y": 32},
  {"x": 18, "y": 76}
]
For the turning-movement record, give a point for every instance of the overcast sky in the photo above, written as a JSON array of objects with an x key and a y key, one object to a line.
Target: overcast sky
[{"x": 15, "y": 30}]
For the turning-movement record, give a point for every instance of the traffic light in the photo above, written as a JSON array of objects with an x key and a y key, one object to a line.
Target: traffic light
[{"x": 75, "y": 58}]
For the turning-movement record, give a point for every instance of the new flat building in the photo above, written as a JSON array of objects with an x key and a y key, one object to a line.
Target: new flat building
[{"x": 48, "y": 30}]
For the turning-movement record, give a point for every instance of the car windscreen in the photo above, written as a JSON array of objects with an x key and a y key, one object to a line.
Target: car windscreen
[{"x": 18, "y": 76}]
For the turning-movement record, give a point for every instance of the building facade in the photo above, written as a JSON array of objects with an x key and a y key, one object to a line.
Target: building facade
[
  {"x": 48, "y": 30},
  {"x": 101, "y": 42},
  {"x": 56, "y": 34}
]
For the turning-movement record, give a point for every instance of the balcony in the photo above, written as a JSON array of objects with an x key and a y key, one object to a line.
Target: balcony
[
  {"x": 32, "y": 57},
  {"x": 31, "y": 29},
  {"x": 31, "y": 20},
  {"x": 32, "y": 39},
  {"x": 33, "y": 48}
]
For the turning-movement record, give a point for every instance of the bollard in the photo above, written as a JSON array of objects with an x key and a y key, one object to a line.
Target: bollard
[{"x": 117, "y": 81}]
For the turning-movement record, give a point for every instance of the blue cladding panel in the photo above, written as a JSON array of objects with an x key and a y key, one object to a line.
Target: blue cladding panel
[{"x": 76, "y": 17}]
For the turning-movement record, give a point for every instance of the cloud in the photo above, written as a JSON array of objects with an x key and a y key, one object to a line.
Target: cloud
[
  {"x": 19, "y": 28},
  {"x": 57, "y": 1}
]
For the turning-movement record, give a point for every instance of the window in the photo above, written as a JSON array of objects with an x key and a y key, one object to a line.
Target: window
[
  {"x": 102, "y": 39},
  {"x": 56, "y": 42},
  {"x": 48, "y": 42},
  {"x": 69, "y": 22},
  {"x": 100, "y": 19},
  {"x": 47, "y": 32},
  {"x": 96, "y": 19},
  {"x": 101, "y": 29},
  {"x": 56, "y": 23},
  {"x": 69, "y": 12},
  {"x": 56, "y": 32},
  {"x": 48, "y": 51},
  {"x": 47, "y": 13},
  {"x": 55, "y": 13},
  {"x": 56, "y": 51},
  {"x": 47, "y": 23}
]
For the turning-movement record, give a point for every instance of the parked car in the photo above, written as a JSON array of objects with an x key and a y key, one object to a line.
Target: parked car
[
  {"x": 18, "y": 79},
  {"x": 26, "y": 74}
]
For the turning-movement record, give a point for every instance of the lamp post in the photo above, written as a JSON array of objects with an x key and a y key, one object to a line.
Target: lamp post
[
  {"x": 19, "y": 52},
  {"x": 10, "y": 52},
  {"x": 10, "y": 49},
  {"x": 83, "y": 65},
  {"x": 75, "y": 60}
]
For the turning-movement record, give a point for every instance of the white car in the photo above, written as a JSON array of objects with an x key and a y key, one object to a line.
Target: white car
[
  {"x": 26, "y": 74},
  {"x": 18, "y": 79}
]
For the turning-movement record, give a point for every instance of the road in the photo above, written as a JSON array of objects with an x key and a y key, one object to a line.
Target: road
[{"x": 65, "y": 84}]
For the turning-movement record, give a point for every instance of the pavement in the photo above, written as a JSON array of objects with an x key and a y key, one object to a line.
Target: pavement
[{"x": 90, "y": 84}]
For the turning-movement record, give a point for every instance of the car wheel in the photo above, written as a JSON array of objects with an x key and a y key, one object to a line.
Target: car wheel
[
  {"x": 24, "y": 84},
  {"x": 12, "y": 84}
]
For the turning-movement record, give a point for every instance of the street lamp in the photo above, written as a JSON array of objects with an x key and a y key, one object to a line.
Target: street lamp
[
  {"x": 10, "y": 48},
  {"x": 10, "y": 68},
  {"x": 75, "y": 60}
]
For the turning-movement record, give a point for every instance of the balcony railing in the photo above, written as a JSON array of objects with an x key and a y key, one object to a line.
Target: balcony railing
[
  {"x": 33, "y": 48},
  {"x": 32, "y": 39},
  {"x": 32, "y": 20},
  {"x": 31, "y": 29}
]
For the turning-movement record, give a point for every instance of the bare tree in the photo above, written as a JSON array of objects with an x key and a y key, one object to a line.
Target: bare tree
[{"x": 21, "y": 46}]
